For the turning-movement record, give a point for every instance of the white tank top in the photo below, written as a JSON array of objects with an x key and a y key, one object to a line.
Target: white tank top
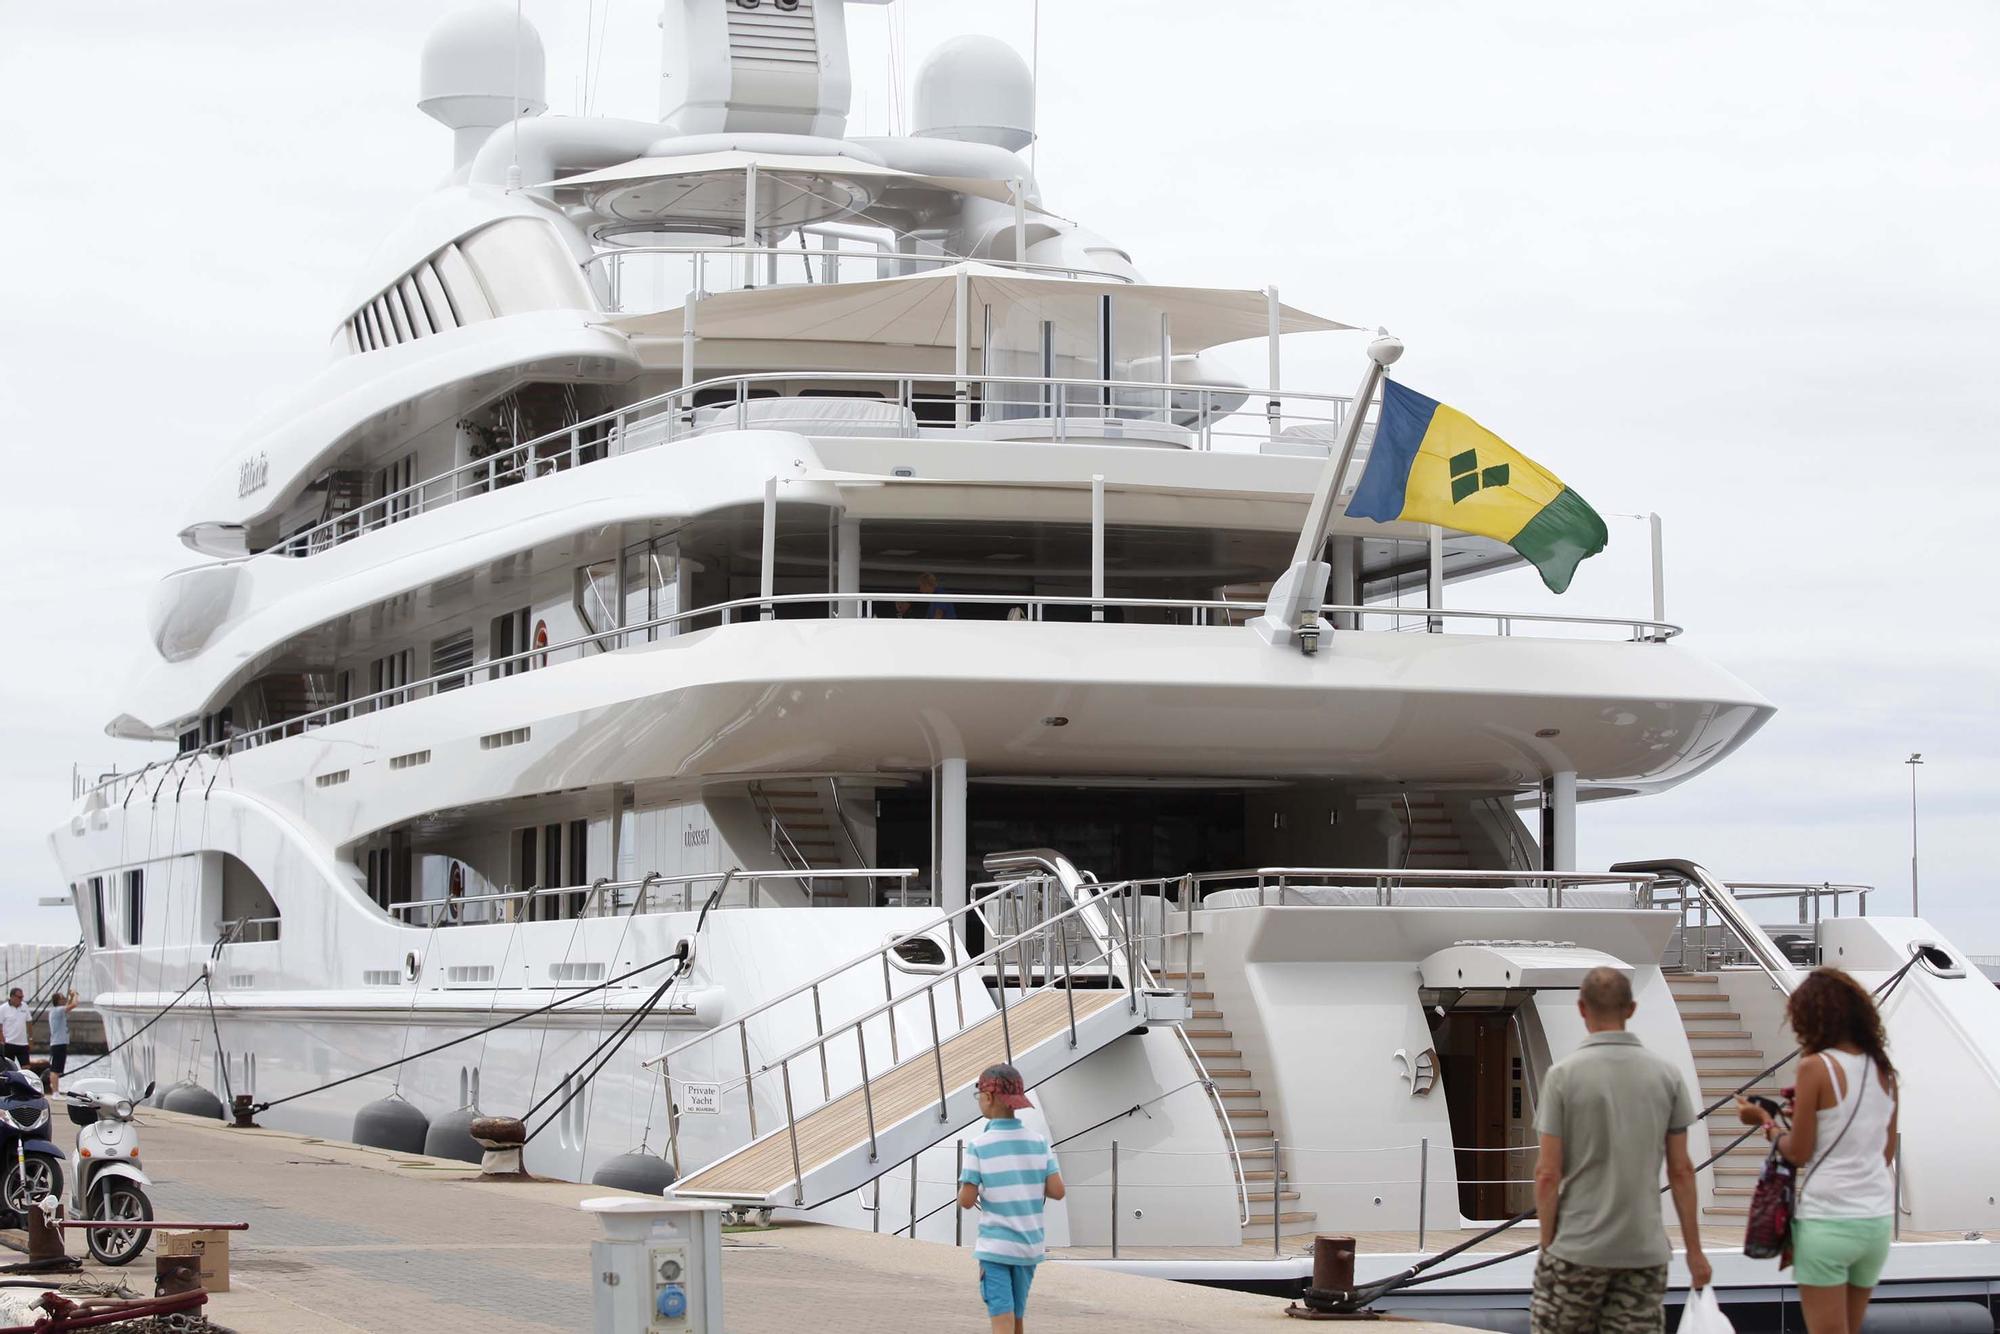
[{"x": 1851, "y": 1178}]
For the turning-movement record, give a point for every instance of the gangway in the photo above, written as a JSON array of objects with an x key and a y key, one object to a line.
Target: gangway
[{"x": 1060, "y": 985}]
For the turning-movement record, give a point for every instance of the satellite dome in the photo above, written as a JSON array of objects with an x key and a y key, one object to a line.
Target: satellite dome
[
  {"x": 978, "y": 90},
  {"x": 470, "y": 75}
]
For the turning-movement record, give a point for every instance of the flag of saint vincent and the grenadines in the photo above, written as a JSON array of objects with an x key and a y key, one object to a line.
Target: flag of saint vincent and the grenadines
[{"x": 1434, "y": 464}]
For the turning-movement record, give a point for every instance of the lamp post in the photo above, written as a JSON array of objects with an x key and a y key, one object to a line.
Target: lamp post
[{"x": 1916, "y": 758}]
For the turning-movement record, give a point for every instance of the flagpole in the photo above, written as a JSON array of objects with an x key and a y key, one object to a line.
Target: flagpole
[{"x": 1296, "y": 597}]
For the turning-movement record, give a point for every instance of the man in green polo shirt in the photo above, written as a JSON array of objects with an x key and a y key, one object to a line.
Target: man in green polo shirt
[{"x": 1611, "y": 1114}]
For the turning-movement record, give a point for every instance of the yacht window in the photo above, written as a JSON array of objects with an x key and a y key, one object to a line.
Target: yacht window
[
  {"x": 394, "y": 479},
  {"x": 421, "y": 323},
  {"x": 97, "y": 910},
  {"x": 392, "y": 301},
  {"x": 509, "y": 637},
  {"x": 375, "y": 339},
  {"x": 452, "y": 654},
  {"x": 461, "y": 285},
  {"x": 248, "y": 911},
  {"x": 710, "y": 398},
  {"x": 523, "y": 265},
  {"x": 436, "y": 303},
  {"x": 388, "y": 871},
  {"x": 135, "y": 905},
  {"x": 388, "y": 673}
]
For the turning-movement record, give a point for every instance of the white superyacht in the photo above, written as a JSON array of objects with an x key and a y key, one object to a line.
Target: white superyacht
[{"x": 787, "y": 619}]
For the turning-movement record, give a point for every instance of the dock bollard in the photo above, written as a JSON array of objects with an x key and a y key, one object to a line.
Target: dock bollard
[
  {"x": 503, "y": 1138},
  {"x": 240, "y": 1107},
  {"x": 1332, "y": 1282}
]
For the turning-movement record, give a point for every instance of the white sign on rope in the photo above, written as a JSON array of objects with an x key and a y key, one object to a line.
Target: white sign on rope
[{"x": 701, "y": 1100}]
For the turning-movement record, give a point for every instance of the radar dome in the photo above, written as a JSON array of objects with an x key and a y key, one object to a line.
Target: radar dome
[
  {"x": 475, "y": 63},
  {"x": 979, "y": 90}
]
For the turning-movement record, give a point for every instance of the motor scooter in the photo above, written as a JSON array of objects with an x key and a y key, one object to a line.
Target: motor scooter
[
  {"x": 33, "y": 1162},
  {"x": 106, "y": 1182}
]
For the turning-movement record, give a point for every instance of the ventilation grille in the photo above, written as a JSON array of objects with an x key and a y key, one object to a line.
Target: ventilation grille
[
  {"x": 410, "y": 760},
  {"x": 241, "y": 980},
  {"x": 576, "y": 972},
  {"x": 773, "y": 32},
  {"x": 334, "y": 779},
  {"x": 381, "y": 977},
  {"x": 452, "y": 654},
  {"x": 460, "y": 974},
  {"x": 496, "y": 740}
]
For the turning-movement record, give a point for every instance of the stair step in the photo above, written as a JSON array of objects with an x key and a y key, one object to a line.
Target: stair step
[
  {"x": 1248, "y": 1114},
  {"x": 1707, "y": 1016},
  {"x": 1264, "y": 1197},
  {"x": 1249, "y": 1133},
  {"x": 1262, "y": 1174},
  {"x": 1207, "y": 1014},
  {"x": 1218, "y": 1054},
  {"x": 1700, "y": 998},
  {"x": 1237, "y": 1093},
  {"x": 1710, "y": 1092},
  {"x": 1214, "y": 1073},
  {"x": 1732, "y": 1054},
  {"x": 1215, "y": 1034},
  {"x": 1726, "y": 1210},
  {"x": 1264, "y": 1220},
  {"x": 1718, "y": 1035},
  {"x": 1199, "y": 995},
  {"x": 1182, "y": 977}
]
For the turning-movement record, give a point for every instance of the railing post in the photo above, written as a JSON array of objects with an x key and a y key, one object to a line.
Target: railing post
[
  {"x": 819, "y": 1031},
  {"x": 937, "y": 1054},
  {"x": 958, "y": 1215},
  {"x": 749, "y": 1091},
  {"x": 913, "y": 1196},
  {"x": 792, "y": 1130},
  {"x": 861, "y": 1047},
  {"x": 1277, "y": 1197},
  {"x": 1114, "y": 1199},
  {"x": 889, "y": 999},
  {"x": 1187, "y": 917},
  {"x": 1896, "y": 1228},
  {"x": 1423, "y": 1187}
]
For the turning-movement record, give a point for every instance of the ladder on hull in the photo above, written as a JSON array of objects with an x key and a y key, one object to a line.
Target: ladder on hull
[{"x": 1066, "y": 984}]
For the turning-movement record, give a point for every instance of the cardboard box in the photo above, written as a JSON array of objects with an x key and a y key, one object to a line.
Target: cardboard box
[{"x": 208, "y": 1245}]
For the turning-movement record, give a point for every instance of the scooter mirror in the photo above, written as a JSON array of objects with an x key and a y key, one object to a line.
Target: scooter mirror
[{"x": 151, "y": 1084}]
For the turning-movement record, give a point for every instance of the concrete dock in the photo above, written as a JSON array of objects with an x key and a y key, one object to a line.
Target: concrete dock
[{"x": 347, "y": 1238}]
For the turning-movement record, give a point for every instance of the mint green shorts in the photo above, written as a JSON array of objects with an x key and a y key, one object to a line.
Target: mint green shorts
[{"x": 1829, "y": 1252}]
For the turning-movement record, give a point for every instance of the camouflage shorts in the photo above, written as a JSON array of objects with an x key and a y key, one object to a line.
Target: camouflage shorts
[{"x": 1579, "y": 1299}]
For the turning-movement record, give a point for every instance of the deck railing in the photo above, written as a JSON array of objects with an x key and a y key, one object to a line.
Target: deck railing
[
  {"x": 843, "y": 606},
  {"x": 654, "y": 893},
  {"x": 1054, "y": 408}
]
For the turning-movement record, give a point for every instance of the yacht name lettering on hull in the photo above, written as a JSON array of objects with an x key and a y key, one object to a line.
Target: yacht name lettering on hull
[
  {"x": 694, "y": 838},
  {"x": 253, "y": 473}
]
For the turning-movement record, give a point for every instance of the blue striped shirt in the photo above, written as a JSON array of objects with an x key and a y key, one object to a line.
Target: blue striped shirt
[{"x": 1010, "y": 1164}]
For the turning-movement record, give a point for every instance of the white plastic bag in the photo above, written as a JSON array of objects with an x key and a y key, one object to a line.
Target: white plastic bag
[{"x": 1703, "y": 1314}]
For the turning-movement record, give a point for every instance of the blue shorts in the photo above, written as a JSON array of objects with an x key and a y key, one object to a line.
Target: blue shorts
[{"x": 1004, "y": 1287}]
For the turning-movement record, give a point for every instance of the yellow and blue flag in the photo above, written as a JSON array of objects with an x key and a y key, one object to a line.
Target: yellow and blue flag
[{"x": 1434, "y": 464}]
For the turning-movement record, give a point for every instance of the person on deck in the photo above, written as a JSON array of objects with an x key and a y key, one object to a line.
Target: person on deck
[
  {"x": 59, "y": 1009},
  {"x": 1611, "y": 1113}
]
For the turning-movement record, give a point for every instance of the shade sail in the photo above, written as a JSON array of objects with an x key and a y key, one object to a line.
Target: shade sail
[{"x": 920, "y": 310}]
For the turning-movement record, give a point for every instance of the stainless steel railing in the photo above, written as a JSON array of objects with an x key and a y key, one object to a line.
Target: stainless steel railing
[
  {"x": 1060, "y": 401},
  {"x": 615, "y": 898},
  {"x": 1107, "y": 965},
  {"x": 1197, "y": 611},
  {"x": 835, "y": 265},
  {"x": 1280, "y": 885},
  {"x": 1724, "y": 931}
]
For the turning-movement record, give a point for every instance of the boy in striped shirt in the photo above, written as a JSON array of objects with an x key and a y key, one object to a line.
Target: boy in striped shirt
[{"x": 1010, "y": 1174}]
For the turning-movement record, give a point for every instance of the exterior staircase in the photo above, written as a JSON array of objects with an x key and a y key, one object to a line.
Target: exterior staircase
[
  {"x": 1249, "y": 1120},
  {"x": 1435, "y": 842},
  {"x": 807, "y": 828},
  {"x": 1724, "y": 1056}
]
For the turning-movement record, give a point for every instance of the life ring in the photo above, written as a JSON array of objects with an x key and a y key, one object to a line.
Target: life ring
[
  {"x": 541, "y": 643},
  {"x": 455, "y": 893}
]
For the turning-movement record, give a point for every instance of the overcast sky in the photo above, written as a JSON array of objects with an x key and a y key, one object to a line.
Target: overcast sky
[{"x": 1730, "y": 262}]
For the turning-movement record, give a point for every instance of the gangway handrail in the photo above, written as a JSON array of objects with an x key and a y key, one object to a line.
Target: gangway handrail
[
  {"x": 856, "y": 1023},
  {"x": 1763, "y": 951}
]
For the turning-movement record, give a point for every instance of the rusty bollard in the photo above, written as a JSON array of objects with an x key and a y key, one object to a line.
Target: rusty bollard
[
  {"x": 502, "y": 1137},
  {"x": 45, "y": 1240},
  {"x": 1332, "y": 1283},
  {"x": 242, "y": 1109}
]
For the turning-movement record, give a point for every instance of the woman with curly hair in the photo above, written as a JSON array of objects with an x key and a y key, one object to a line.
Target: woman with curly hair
[{"x": 1844, "y": 1132}]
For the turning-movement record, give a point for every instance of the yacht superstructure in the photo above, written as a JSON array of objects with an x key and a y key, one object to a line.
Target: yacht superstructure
[{"x": 727, "y": 548}]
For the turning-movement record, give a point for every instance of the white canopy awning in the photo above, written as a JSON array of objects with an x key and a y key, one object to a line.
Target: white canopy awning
[
  {"x": 1513, "y": 965},
  {"x": 921, "y": 310},
  {"x": 792, "y": 189}
]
